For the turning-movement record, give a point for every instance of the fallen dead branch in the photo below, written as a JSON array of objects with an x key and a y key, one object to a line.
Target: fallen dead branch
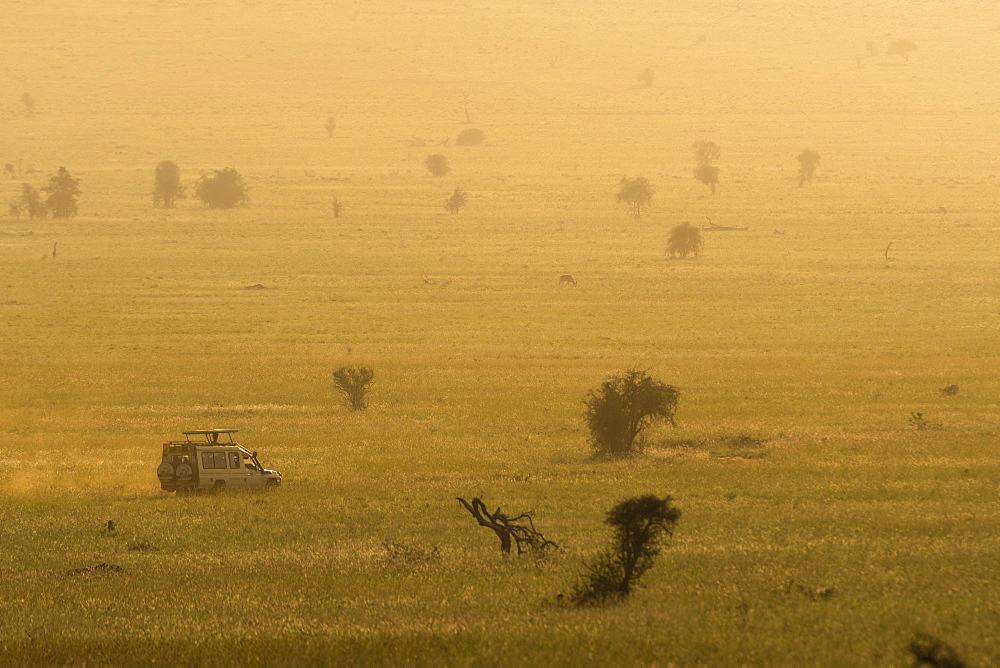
[{"x": 508, "y": 529}]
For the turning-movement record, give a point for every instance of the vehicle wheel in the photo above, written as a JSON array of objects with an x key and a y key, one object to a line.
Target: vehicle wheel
[
  {"x": 217, "y": 487},
  {"x": 184, "y": 472},
  {"x": 165, "y": 472}
]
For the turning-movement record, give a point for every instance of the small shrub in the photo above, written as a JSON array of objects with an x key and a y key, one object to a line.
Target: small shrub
[
  {"x": 470, "y": 137},
  {"x": 403, "y": 555},
  {"x": 808, "y": 160},
  {"x": 901, "y": 47},
  {"x": 640, "y": 526},
  {"x": 140, "y": 546},
  {"x": 646, "y": 78},
  {"x": 709, "y": 175},
  {"x": 354, "y": 383},
  {"x": 623, "y": 407},
  {"x": 456, "y": 201},
  {"x": 930, "y": 651},
  {"x": 437, "y": 165},
  {"x": 222, "y": 189},
  {"x": 685, "y": 239}
]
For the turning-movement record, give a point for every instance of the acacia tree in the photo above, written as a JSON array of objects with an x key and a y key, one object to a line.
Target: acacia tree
[
  {"x": 624, "y": 405},
  {"x": 222, "y": 189},
  {"x": 167, "y": 184},
  {"x": 32, "y": 202},
  {"x": 62, "y": 191},
  {"x": 808, "y": 160},
  {"x": 635, "y": 193},
  {"x": 640, "y": 525},
  {"x": 705, "y": 153},
  {"x": 685, "y": 239},
  {"x": 437, "y": 165},
  {"x": 456, "y": 201}
]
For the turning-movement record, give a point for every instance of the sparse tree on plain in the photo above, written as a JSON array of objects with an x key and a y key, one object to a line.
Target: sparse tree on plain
[
  {"x": 167, "y": 186},
  {"x": 331, "y": 126},
  {"x": 354, "y": 382},
  {"x": 469, "y": 137},
  {"x": 641, "y": 525},
  {"x": 222, "y": 189},
  {"x": 28, "y": 102},
  {"x": 456, "y": 201},
  {"x": 62, "y": 191},
  {"x": 706, "y": 153},
  {"x": 635, "y": 193},
  {"x": 685, "y": 239},
  {"x": 437, "y": 165},
  {"x": 336, "y": 207},
  {"x": 808, "y": 160},
  {"x": 624, "y": 405},
  {"x": 31, "y": 202},
  {"x": 901, "y": 47},
  {"x": 646, "y": 78}
]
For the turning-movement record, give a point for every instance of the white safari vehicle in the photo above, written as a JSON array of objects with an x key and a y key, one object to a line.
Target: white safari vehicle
[{"x": 212, "y": 464}]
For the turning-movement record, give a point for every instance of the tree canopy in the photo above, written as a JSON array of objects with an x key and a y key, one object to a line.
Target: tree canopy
[
  {"x": 636, "y": 194},
  {"x": 63, "y": 190},
  {"x": 222, "y": 189}
]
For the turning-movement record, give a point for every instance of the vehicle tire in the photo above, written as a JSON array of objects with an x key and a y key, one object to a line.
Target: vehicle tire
[
  {"x": 184, "y": 472},
  {"x": 165, "y": 472},
  {"x": 217, "y": 487}
]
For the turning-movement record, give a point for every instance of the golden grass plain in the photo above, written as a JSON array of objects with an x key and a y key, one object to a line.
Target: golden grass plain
[{"x": 812, "y": 340}]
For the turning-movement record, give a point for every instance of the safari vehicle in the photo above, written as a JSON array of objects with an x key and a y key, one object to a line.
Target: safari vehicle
[{"x": 212, "y": 464}]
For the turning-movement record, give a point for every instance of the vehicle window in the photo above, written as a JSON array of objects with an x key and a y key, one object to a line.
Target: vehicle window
[
  {"x": 213, "y": 460},
  {"x": 234, "y": 460}
]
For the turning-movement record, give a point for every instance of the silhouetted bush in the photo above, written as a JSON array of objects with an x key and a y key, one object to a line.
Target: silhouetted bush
[
  {"x": 167, "y": 184},
  {"x": 808, "y": 160},
  {"x": 930, "y": 651},
  {"x": 636, "y": 194},
  {"x": 901, "y": 47},
  {"x": 685, "y": 239},
  {"x": 623, "y": 407},
  {"x": 469, "y": 137},
  {"x": 456, "y": 201},
  {"x": 646, "y": 78},
  {"x": 437, "y": 165},
  {"x": 709, "y": 175},
  {"x": 63, "y": 190},
  {"x": 640, "y": 526},
  {"x": 222, "y": 189},
  {"x": 354, "y": 383},
  {"x": 32, "y": 202}
]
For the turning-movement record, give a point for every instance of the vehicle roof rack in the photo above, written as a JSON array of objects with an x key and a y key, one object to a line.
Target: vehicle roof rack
[{"x": 210, "y": 431}]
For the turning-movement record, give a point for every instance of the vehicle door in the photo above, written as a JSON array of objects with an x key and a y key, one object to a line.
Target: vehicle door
[
  {"x": 252, "y": 474},
  {"x": 235, "y": 473}
]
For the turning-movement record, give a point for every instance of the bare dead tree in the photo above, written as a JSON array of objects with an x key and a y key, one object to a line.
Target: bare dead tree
[
  {"x": 508, "y": 529},
  {"x": 465, "y": 100}
]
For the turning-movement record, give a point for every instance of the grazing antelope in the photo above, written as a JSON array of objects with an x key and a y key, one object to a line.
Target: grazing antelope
[{"x": 567, "y": 279}]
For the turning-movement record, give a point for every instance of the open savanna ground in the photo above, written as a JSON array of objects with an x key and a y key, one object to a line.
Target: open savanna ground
[{"x": 834, "y": 501}]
